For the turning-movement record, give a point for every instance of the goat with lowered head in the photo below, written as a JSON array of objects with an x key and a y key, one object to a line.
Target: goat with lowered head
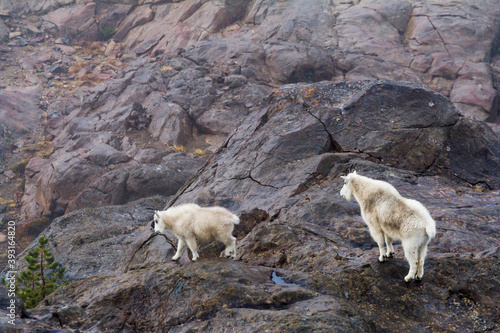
[
  {"x": 190, "y": 222},
  {"x": 390, "y": 217}
]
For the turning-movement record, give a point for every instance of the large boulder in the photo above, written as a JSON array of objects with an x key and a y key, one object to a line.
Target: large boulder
[
  {"x": 310, "y": 128},
  {"x": 92, "y": 230},
  {"x": 74, "y": 22}
]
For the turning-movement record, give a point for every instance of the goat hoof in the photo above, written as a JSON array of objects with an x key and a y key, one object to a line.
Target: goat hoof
[{"x": 390, "y": 255}]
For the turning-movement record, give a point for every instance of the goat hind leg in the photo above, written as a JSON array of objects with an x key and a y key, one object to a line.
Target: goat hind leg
[
  {"x": 411, "y": 254},
  {"x": 422, "y": 252}
]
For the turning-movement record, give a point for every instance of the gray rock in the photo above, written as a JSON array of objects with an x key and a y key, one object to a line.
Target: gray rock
[
  {"x": 340, "y": 118},
  {"x": 57, "y": 69},
  {"x": 93, "y": 229},
  {"x": 4, "y": 30},
  {"x": 130, "y": 183},
  {"x": 170, "y": 123}
]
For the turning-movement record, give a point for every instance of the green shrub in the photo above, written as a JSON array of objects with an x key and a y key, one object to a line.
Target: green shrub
[
  {"x": 42, "y": 276},
  {"x": 107, "y": 31},
  {"x": 20, "y": 167}
]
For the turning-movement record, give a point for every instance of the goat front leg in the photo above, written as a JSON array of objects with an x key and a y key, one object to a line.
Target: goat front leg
[
  {"x": 378, "y": 236},
  {"x": 181, "y": 244},
  {"x": 230, "y": 250},
  {"x": 390, "y": 249}
]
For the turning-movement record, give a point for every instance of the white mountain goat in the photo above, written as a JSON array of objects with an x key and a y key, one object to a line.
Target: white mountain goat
[
  {"x": 190, "y": 222},
  {"x": 390, "y": 217}
]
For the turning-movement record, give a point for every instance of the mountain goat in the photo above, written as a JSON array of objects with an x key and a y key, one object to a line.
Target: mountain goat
[
  {"x": 390, "y": 217},
  {"x": 190, "y": 222}
]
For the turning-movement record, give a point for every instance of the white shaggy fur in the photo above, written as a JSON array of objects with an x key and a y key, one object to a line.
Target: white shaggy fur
[
  {"x": 190, "y": 222},
  {"x": 390, "y": 217}
]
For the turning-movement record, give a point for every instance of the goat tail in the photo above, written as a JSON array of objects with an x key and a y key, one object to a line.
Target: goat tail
[
  {"x": 431, "y": 229},
  {"x": 236, "y": 219}
]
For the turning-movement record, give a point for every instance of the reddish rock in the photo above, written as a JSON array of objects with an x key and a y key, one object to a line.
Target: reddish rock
[
  {"x": 42, "y": 56},
  {"x": 421, "y": 63},
  {"x": 74, "y": 22},
  {"x": 139, "y": 16},
  {"x": 44, "y": 6},
  {"x": 474, "y": 86},
  {"x": 367, "y": 40},
  {"x": 441, "y": 85},
  {"x": 109, "y": 17},
  {"x": 444, "y": 66},
  {"x": 19, "y": 111}
]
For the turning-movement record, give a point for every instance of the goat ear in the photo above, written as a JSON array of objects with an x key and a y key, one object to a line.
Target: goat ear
[
  {"x": 354, "y": 172},
  {"x": 343, "y": 177}
]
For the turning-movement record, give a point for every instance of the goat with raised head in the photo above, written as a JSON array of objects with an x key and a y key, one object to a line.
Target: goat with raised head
[{"x": 390, "y": 217}]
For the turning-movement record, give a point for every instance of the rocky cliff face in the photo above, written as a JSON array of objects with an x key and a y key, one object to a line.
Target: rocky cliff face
[
  {"x": 219, "y": 59},
  {"x": 450, "y": 46},
  {"x": 307, "y": 261},
  {"x": 226, "y": 103}
]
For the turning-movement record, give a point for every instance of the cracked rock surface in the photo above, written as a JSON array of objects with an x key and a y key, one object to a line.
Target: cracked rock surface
[
  {"x": 303, "y": 130},
  {"x": 306, "y": 261}
]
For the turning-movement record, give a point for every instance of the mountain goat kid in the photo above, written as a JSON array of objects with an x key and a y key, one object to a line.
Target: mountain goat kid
[
  {"x": 390, "y": 217},
  {"x": 190, "y": 222}
]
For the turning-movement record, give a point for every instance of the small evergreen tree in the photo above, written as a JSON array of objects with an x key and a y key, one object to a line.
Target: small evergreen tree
[{"x": 41, "y": 277}]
